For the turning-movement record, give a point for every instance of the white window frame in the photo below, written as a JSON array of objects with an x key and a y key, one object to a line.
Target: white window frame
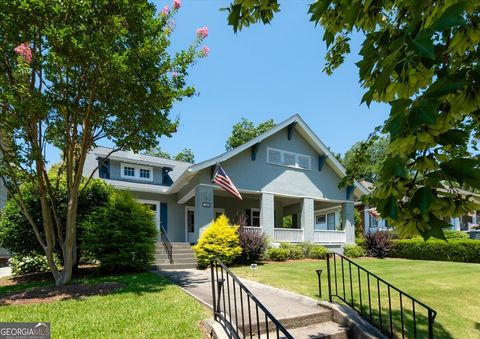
[
  {"x": 282, "y": 162},
  {"x": 157, "y": 204},
  {"x": 137, "y": 172},
  {"x": 251, "y": 217}
]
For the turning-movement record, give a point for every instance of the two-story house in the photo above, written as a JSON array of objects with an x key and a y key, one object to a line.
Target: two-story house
[{"x": 286, "y": 173}]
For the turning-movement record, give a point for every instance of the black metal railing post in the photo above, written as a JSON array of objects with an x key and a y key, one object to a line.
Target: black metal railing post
[
  {"x": 319, "y": 275},
  {"x": 225, "y": 285},
  {"x": 329, "y": 283},
  {"x": 379, "y": 294},
  {"x": 166, "y": 244}
]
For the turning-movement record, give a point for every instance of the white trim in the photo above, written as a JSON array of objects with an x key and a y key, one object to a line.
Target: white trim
[
  {"x": 327, "y": 210},
  {"x": 189, "y": 195},
  {"x": 192, "y": 208},
  {"x": 282, "y": 159},
  {"x": 157, "y": 204},
  {"x": 137, "y": 169}
]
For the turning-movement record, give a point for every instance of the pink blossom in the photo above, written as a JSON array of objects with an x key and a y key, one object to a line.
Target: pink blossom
[
  {"x": 165, "y": 10},
  {"x": 24, "y": 51},
  {"x": 205, "y": 50},
  {"x": 177, "y": 4},
  {"x": 174, "y": 74},
  {"x": 202, "y": 32}
]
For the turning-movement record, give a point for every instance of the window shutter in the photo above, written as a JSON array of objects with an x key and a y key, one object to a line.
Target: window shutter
[{"x": 164, "y": 215}]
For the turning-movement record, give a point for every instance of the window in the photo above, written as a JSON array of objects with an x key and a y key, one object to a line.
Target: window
[
  {"x": 144, "y": 173},
  {"x": 255, "y": 217},
  {"x": 373, "y": 221},
  {"x": 320, "y": 219},
  {"x": 129, "y": 171},
  {"x": 136, "y": 172},
  {"x": 331, "y": 221},
  {"x": 190, "y": 221},
  {"x": 290, "y": 159}
]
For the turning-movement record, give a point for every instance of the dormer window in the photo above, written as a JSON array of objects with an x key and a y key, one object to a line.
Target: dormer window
[
  {"x": 129, "y": 171},
  {"x": 136, "y": 172}
]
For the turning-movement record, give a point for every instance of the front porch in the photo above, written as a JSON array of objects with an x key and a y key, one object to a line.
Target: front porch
[{"x": 281, "y": 218}]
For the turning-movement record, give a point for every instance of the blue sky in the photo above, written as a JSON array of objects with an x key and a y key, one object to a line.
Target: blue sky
[{"x": 264, "y": 72}]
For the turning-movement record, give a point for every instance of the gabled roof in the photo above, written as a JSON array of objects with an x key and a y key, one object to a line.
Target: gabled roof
[{"x": 300, "y": 127}]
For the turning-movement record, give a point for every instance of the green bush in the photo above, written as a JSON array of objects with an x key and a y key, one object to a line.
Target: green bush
[
  {"x": 121, "y": 235},
  {"x": 295, "y": 252},
  {"x": 318, "y": 252},
  {"x": 451, "y": 234},
  {"x": 353, "y": 251},
  {"x": 220, "y": 240},
  {"x": 454, "y": 250},
  {"x": 28, "y": 264},
  {"x": 16, "y": 233},
  {"x": 278, "y": 254}
]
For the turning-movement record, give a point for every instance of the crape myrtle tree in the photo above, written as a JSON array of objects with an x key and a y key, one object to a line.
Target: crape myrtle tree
[
  {"x": 421, "y": 57},
  {"x": 71, "y": 74}
]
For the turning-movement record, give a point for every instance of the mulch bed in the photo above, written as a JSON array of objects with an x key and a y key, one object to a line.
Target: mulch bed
[{"x": 40, "y": 295}]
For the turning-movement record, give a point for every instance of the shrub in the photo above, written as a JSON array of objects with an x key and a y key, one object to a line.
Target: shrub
[
  {"x": 28, "y": 264},
  {"x": 277, "y": 254},
  {"x": 295, "y": 252},
  {"x": 353, "y": 251},
  {"x": 318, "y": 252},
  {"x": 253, "y": 246},
  {"x": 220, "y": 240},
  {"x": 16, "y": 233},
  {"x": 454, "y": 250},
  {"x": 378, "y": 244},
  {"x": 451, "y": 234},
  {"x": 306, "y": 247},
  {"x": 121, "y": 235}
]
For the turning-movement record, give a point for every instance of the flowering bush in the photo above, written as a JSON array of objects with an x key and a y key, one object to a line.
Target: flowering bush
[
  {"x": 219, "y": 240},
  {"x": 28, "y": 264},
  {"x": 24, "y": 51}
]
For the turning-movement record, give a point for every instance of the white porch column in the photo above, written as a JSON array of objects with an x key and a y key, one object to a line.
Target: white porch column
[
  {"x": 348, "y": 222},
  {"x": 307, "y": 219},
  {"x": 267, "y": 214},
  {"x": 203, "y": 208}
]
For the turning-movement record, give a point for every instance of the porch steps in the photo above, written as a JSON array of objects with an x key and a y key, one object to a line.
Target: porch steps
[{"x": 182, "y": 255}]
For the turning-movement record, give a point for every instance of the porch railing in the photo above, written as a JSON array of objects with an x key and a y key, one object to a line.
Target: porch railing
[
  {"x": 166, "y": 244},
  {"x": 330, "y": 236},
  {"x": 288, "y": 234},
  {"x": 238, "y": 310},
  {"x": 391, "y": 310}
]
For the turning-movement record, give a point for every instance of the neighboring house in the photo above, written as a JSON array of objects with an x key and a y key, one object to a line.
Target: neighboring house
[
  {"x": 3, "y": 200},
  {"x": 285, "y": 172},
  {"x": 372, "y": 220}
]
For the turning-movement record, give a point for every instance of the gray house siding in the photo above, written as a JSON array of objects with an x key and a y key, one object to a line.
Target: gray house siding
[{"x": 259, "y": 175}]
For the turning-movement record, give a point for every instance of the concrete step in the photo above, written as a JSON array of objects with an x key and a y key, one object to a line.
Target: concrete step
[
  {"x": 175, "y": 256},
  {"x": 323, "y": 315},
  {"x": 178, "y": 261},
  {"x": 325, "y": 330},
  {"x": 173, "y": 266}
]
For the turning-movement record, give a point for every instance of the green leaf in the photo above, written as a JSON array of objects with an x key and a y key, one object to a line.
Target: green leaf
[
  {"x": 317, "y": 9},
  {"x": 419, "y": 117},
  {"x": 423, "y": 45},
  {"x": 328, "y": 37},
  {"x": 435, "y": 230},
  {"x": 394, "y": 167},
  {"x": 422, "y": 199},
  {"x": 452, "y": 16},
  {"x": 388, "y": 208},
  {"x": 445, "y": 85},
  {"x": 367, "y": 98},
  {"x": 453, "y": 137},
  {"x": 464, "y": 170}
]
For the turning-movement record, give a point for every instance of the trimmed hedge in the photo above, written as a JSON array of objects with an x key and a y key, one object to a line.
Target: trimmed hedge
[
  {"x": 353, "y": 251},
  {"x": 459, "y": 250},
  {"x": 318, "y": 252},
  {"x": 278, "y": 254}
]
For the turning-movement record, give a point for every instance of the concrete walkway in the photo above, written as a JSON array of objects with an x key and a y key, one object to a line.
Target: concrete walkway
[{"x": 5, "y": 271}]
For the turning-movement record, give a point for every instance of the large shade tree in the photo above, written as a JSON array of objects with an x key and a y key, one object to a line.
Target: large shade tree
[
  {"x": 421, "y": 57},
  {"x": 71, "y": 74},
  {"x": 246, "y": 130}
]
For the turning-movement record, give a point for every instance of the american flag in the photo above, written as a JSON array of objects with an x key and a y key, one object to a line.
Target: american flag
[{"x": 221, "y": 179}]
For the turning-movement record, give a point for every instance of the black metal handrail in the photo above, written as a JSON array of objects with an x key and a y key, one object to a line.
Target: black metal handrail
[
  {"x": 238, "y": 310},
  {"x": 166, "y": 244},
  {"x": 412, "y": 311}
]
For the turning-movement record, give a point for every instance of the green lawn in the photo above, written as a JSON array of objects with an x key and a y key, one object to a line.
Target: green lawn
[
  {"x": 148, "y": 306},
  {"x": 452, "y": 289}
]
